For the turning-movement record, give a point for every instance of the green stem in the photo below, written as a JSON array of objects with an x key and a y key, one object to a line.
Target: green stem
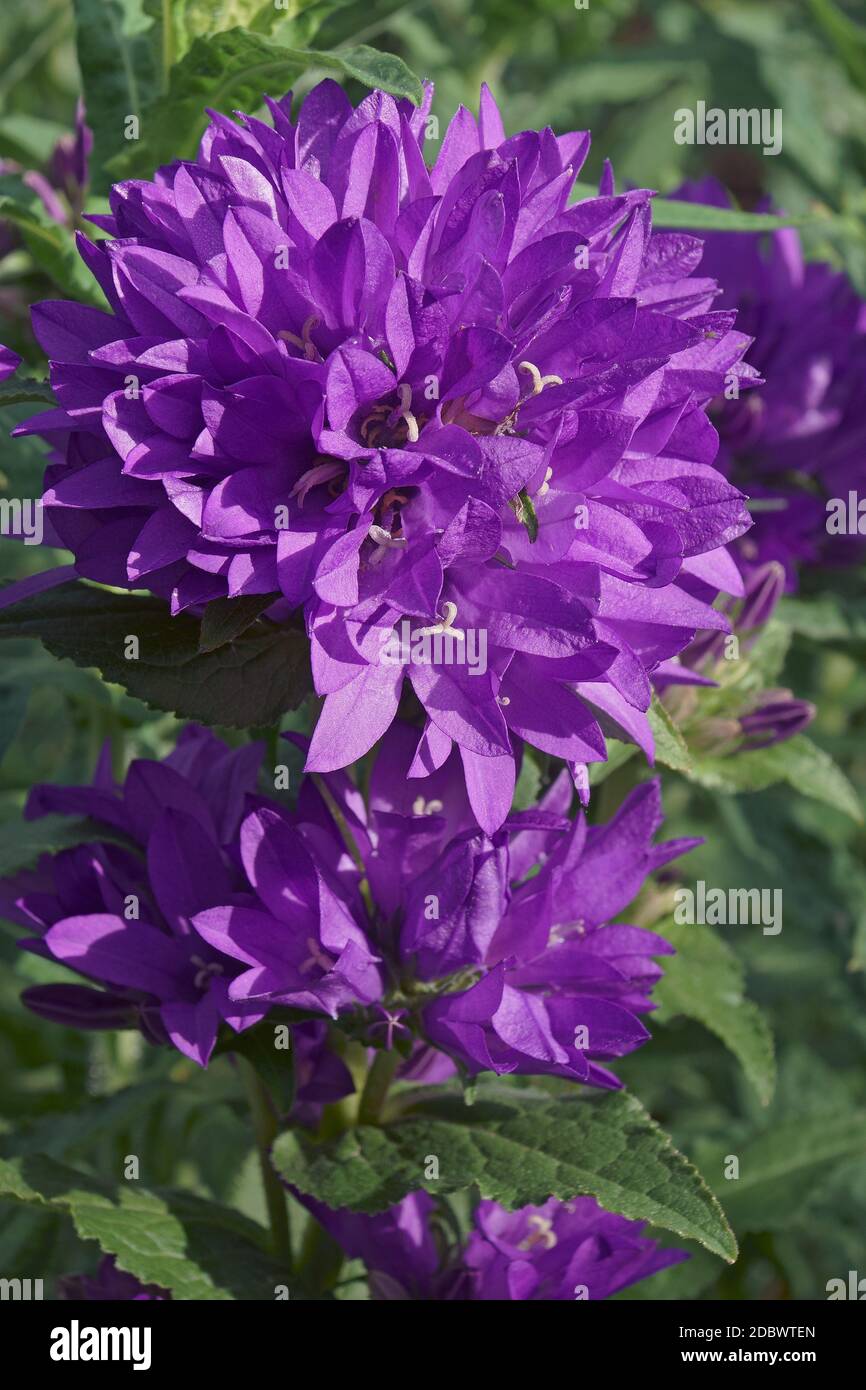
[
  {"x": 375, "y": 1091},
  {"x": 265, "y": 1130},
  {"x": 348, "y": 840}
]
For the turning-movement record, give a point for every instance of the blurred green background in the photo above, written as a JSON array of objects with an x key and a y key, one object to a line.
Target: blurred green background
[{"x": 621, "y": 69}]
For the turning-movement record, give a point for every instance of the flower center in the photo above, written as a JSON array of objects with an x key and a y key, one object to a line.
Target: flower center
[
  {"x": 317, "y": 956},
  {"x": 205, "y": 972},
  {"x": 420, "y": 807},
  {"x": 541, "y": 1233}
]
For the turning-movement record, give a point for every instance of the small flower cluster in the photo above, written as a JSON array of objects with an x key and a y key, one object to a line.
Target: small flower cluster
[{"x": 211, "y": 905}]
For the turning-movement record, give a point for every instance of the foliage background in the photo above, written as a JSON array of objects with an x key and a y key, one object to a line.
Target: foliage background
[{"x": 620, "y": 68}]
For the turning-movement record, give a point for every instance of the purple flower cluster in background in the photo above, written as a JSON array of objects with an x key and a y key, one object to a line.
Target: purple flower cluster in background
[
  {"x": 800, "y": 439},
  {"x": 555, "y": 1252}
]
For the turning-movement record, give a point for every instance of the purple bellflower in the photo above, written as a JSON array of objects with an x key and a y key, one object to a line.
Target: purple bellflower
[
  {"x": 109, "y": 1285},
  {"x": 118, "y": 910},
  {"x": 801, "y": 439},
  {"x": 560, "y": 1251},
  {"x": 456, "y": 421},
  {"x": 445, "y": 930}
]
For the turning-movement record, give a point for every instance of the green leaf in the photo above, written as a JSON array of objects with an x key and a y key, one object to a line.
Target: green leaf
[
  {"x": 671, "y": 212},
  {"x": 116, "y": 57},
  {"x": 848, "y": 38},
  {"x": 51, "y": 244},
  {"x": 226, "y": 618},
  {"x": 234, "y": 69},
  {"x": 368, "y": 65},
  {"x": 27, "y": 138},
  {"x": 23, "y": 841},
  {"x": 826, "y": 617},
  {"x": 784, "y": 1165},
  {"x": 704, "y": 980},
  {"x": 274, "y": 1065},
  {"x": 517, "y": 1147},
  {"x": 798, "y": 761},
  {"x": 197, "y": 1249},
  {"x": 670, "y": 746},
  {"x": 178, "y": 23},
  {"x": 247, "y": 682},
  {"x": 20, "y": 390}
]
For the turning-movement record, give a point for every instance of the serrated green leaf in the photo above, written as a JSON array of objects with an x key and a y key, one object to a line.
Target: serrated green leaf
[
  {"x": 517, "y": 1148},
  {"x": 178, "y": 23},
  {"x": 197, "y": 1249},
  {"x": 368, "y": 65},
  {"x": 249, "y": 681},
  {"x": 704, "y": 980},
  {"x": 21, "y": 390},
  {"x": 236, "y": 68},
  {"x": 226, "y": 618},
  {"x": 670, "y": 746}
]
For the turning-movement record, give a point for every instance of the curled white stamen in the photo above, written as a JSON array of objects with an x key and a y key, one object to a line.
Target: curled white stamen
[
  {"x": 420, "y": 807},
  {"x": 543, "y": 1234},
  {"x": 384, "y": 542},
  {"x": 404, "y": 390},
  {"x": 319, "y": 473},
  {"x": 538, "y": 381},
  {"x": 305, "y": 342},
  {"x": 447, "y": 616},
  {"x": 545, "y": 486},
  {"x": 502, "y": 700}
]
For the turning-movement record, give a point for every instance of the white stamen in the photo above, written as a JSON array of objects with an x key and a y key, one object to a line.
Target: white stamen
[
  {"x": 404, "y": 390},
  {"x": 545, "y": 486},
  {"x": 420, "y": 807},
  {"x": 502, "y": 700},
  {"x": 319, "y": 473},
  {"x": 449, "y": 613},
  {"x": 305, "y": 342},
  {"x": 543, "y": 1234},
  {"x": 384, "y": 542},
  {"x": 538, "y": 381}
]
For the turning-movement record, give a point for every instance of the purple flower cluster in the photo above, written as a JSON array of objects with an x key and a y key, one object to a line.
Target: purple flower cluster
[
  {"x": 397, "y": 398},
  {"x": 560, "y": 1251},
  {"x": 216, "y": 905},
  {"x": 800, "y": 439},
  {"x": 119, "y": 910}
]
